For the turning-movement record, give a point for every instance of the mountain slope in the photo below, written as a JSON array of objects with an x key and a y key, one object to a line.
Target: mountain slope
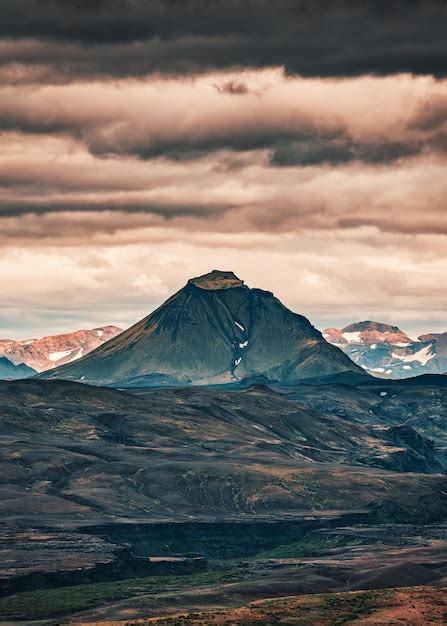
[
  {"x": 9, "y": 371},
  {"x": 214, "y": 330},
  {"x": 389, "y": 352},
  {"x": 48, "y": 352},
  {"x": 90, "y": 453}
]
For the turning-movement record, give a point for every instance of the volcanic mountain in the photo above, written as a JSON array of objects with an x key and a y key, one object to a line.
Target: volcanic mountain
[
  {"x": 214, "y": 330},
  {"x": 387, "y": 351}
]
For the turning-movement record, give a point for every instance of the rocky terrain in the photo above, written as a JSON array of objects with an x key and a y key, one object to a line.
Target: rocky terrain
[
  {"x": 110, "y": 497},
  {"x": 48, "y": 352},
  {"x": 71, "y": 449},
  {"x": 417, "y": 606},
  {"x": 214, "y": 330},
  {"x": 407, "y": 407},
  {"x": 387, "y": 352}
]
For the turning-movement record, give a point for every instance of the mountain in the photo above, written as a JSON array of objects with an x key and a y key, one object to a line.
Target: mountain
[
  {"x": 9, "y": 371},
  {"x": 48, "y": 352},
  {"x": 214, "y": 330},
  {"x": 387, "y": 351},
  {"x": 367, "y": 333}
]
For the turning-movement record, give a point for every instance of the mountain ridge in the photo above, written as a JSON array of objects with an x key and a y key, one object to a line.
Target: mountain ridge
[
  {"x": 50, "y": 351},
  {"x": 387, "y": 351}
]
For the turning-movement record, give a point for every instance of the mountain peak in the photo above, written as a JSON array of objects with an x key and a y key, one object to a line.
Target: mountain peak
[
  {"x": 367, "y": 332},
  {"x": 217, "y": 279},
  {"x": 371, "y": 326}
]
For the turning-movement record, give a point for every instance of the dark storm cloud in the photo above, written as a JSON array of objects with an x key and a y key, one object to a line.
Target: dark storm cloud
[
  {"x": 250, "y": 150},
  {"x": 135, "y": 37},
  {"x": 432, "y": 114},
  {"x": 234, "y": 88},
  {"x": 284, "y": 151},
  {"x": 314, "y": 151},
  {"x": 10, "y": 208},
  {"x": 299, "y": 122}
]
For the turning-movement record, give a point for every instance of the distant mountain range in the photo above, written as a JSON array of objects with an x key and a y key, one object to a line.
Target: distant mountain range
[
  {"x": 24, "y": 358},
  {"x": 386, "y": 351},
  {"x": 215, "y": 330}
]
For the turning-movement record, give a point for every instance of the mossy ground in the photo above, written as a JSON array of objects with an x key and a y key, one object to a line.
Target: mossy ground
[
  {"x": 49, "y": 603},
  {"x": 312, "y": 544}
]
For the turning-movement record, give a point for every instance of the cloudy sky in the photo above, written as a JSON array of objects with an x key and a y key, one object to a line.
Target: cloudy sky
[{"x": 301, "y": 144}]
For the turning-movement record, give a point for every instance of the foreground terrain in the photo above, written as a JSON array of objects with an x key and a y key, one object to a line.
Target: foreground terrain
[
  {"x": 147, "y": 503},
  {"x": 416, "y": 606},
  {"x": 86, "y": 454},
  {"x": 323, "y": 562}
]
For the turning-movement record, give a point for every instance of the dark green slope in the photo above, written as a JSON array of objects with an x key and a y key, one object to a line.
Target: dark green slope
[
  {"x": 214, "y": 330},
  {"x": 9, "y": 371}
]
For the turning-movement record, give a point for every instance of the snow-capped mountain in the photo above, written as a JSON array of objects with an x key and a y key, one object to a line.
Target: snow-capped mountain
[
  {"x": 48, "y": 352},
  {"x": 387, "y": 351}
]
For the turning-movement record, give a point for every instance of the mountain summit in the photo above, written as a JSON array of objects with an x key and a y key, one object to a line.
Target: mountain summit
[
  {"x": 214, "y": 330},
  {"x": 367, "y": 333},
  {"x": 217, "y": 280}
]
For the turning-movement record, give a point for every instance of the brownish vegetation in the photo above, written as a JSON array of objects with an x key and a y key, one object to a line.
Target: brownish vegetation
[{"x": 416, "y": 606}]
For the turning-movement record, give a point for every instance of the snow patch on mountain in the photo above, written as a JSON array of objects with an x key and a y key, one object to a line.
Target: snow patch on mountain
[
  {"x": 423, "y": 356},
  {"x": 78, "y": 355},
  {"x": 57, "y": 356},
  {"x": 352, "y": 337}
]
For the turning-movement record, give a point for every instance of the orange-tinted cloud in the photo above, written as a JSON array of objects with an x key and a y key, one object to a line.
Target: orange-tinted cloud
[{"x": 331, "y": 192}]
